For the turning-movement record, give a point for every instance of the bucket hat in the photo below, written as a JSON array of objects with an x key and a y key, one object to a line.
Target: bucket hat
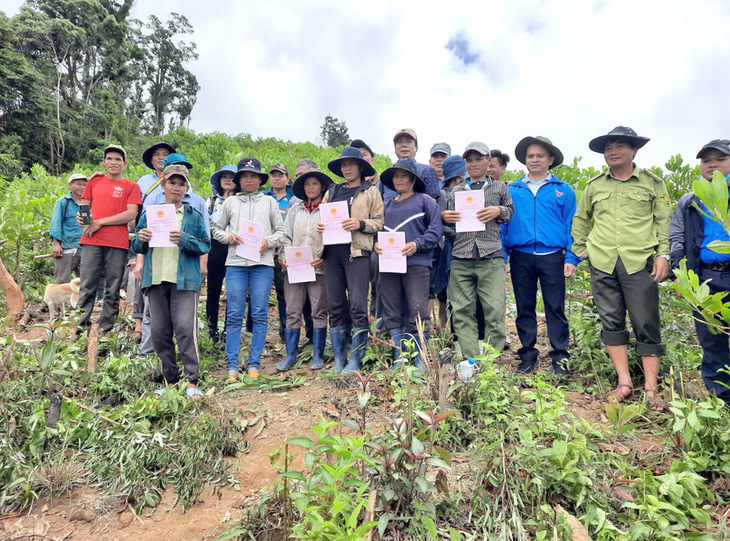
[
  {"x": 404, "y": 164},
  {"x": 298, "y": 186},
  {"x": 215, "y": 178},
  {"x": 147, "y": 155},
  {"x": 252, "y": 165},
  {"x": 453, "y": 166},
  {"x": 619, "y": 132},
  {"x": 521, "y": 149},
  {"x": 178, "y": 159},
  {"x": 351, "y": 153},
  {"x": 721, "y": 145}
]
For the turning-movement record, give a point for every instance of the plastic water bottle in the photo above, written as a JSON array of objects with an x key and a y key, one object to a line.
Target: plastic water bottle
[{"x": 465, "y": 369}]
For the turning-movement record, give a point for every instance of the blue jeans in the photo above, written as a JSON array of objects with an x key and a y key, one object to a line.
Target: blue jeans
[{"x": 255, "y": 281}]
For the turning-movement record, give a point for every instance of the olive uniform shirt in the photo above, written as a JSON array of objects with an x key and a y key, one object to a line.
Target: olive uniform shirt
[{"x": 622, "y": 218}]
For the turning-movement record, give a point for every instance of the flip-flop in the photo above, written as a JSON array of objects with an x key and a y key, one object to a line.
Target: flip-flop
[
  {"x": 655, "y": 400},
  {"x": 193, "y": 393},
  {"x": 620, "y": 393}
]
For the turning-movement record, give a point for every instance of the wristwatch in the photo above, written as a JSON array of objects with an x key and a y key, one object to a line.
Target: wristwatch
[{"x": 665, "y": 257}]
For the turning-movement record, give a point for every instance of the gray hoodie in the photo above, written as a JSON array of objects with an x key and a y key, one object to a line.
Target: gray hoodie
[{"x": 256, "y": 207}]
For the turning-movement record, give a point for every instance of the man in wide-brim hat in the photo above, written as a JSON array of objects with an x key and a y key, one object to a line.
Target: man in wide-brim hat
[
  {"x": 537, "y": 242},
  {"x": 622, "y": 227}
]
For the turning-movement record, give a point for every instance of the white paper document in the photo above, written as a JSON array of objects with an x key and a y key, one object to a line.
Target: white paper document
[
  {"x": 392, "y": 244},
  {"x": 467, "y": 204},
  {"x": 332, "y": 216},
  {"x": 299, "y": 267},
  {"x": 252, "y": 234},
  {"x": 161, "y": 219}
]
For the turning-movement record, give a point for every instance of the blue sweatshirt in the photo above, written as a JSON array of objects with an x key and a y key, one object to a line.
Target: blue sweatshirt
[
  {"x": 541, "y": 223},
  {"x": 419, "y": 218}
]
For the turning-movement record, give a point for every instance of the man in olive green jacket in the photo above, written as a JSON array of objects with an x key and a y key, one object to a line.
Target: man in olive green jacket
[{"x": 622, "y": 227}]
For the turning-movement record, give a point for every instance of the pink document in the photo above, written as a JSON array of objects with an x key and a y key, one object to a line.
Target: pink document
[
  {"x": 252, "y": 234},
  {"x": 392, "y": 244},
  {"x": 299, "y": 267},
  {"x": 467, "y": 204},
  {"x": 332, "y": 216}
]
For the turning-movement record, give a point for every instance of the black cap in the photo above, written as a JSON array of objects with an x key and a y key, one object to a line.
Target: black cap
[
  {"x": 359, "y": 143},
  {"x": 721, "y": 145}
]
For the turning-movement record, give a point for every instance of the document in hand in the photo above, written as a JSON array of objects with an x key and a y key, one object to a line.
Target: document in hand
[
  {"x": 332, "y": 216},
  {"x": 392, "y": 259},
  {"x": 252, "y": 234},
  {"x": 161, "y": 219},
  {"x": 467, "y": 204},
  {"x": 299, "y": 267}
]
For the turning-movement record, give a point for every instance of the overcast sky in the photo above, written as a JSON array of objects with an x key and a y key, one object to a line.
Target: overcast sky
[{"x": 462, "y": 71}]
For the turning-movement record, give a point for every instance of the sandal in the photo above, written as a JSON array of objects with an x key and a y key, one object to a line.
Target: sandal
[
  {"x": 193, "y": 393},
  {"x": 655, "y": 400},
  {"x": 620, "y": 393}
]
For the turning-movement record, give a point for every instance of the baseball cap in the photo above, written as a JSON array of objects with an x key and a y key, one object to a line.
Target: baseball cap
[
  {"x": 443, "y": 148},
  {"x": 115, "y": 148},
  {"x": 175, "y": 169},
  {"x": 721, "y": 145},
  {"x": 76, "y": 176},
  {"x": 476, "y": 146},
  {"x": 279, "y": 167},
  {"x": 406, "y": 131}
]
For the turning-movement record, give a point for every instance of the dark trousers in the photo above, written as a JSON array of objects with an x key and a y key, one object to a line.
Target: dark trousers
[
  {"x": 715, "y": 352},
  {"x": 216, "y": 274},
  {"x": 408, "y": 290},
  {"x": 95, "y": 262},
  {"x": 345, "y": 279},
  {"x": 618, "y": 292},
  {"x": 174, "y": 312},
  {"x": 526, "y": 270}
]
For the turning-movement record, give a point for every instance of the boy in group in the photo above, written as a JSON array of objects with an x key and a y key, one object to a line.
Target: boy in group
[
  {"x": 689, "y": 234},
  {"x": 66, "y": 232},
  {"x": 114, "y": 201},
  {"x": 622, "y": 227},
  {"x": 171, "y": 278},
  {"x": 537, "y": 240},
  {"x": 477, "y": 258}
]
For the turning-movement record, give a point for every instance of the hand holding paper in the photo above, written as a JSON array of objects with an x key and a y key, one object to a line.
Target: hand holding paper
[
  {"x": 332, "y": 215},
  {"x": 161, "y": 220}
]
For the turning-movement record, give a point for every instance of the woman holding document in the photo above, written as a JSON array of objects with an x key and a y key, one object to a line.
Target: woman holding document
[
  {"x": 302, "y": 259},
  {"x": 250, "y": 223},
  {"x": 351, "y": 213},
  {"x": 413, "y": 228}
]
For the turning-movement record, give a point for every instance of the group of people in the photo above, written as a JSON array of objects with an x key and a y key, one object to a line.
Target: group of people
[{"x": 448, "y": 231}]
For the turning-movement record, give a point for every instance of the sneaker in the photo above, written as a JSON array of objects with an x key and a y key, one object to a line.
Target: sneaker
[
  {"x": 559, "y": 368},
  {"x": 527, "y": 367},
  {"x": 253, "y": 373},
  {"x": 232, "y": 377}
]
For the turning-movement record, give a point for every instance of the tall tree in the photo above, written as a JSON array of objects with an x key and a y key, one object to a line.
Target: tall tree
[
  {"x": 172, "y": 89},
  {"x": 334, "y": 132}
]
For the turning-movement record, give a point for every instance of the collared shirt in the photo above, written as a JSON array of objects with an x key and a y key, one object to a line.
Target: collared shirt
[
  {"x": 165, "y": 259},
  {"x": 487, "y": 243},
  {"x": 191, "y": 198},
  {"x": 64, "y": 227},
  {"x": 535, "y": 185},
  {"x": 622, "y": 218},
  {"x": 145, "y": 183},
  {"x": 286, "y": 201}
]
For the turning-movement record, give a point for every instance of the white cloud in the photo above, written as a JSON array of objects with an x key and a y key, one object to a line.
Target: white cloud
[{"x": 568, "y": 70}]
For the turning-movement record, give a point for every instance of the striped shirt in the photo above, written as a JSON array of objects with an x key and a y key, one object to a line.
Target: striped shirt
[{"x": 468, "y": 245}]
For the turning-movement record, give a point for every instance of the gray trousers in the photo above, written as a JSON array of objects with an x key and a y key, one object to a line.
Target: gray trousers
[
  {"x": 65, "y": 265},
  {"x": 296, "y": 296},
  {"x": 174, "y": 312},
  {"x": 95, "y": 261}
]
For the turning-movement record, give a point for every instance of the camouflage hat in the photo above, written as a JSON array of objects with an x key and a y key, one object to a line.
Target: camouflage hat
[
  {"x": 280, "y": 167},
  {"x": 406, "y": 131},
  {"x": 115, "y": 148},
  {"x": 621, "y": 133},
  {"x": 521, "y": 149},
  {"x": 176, "y": 169}
]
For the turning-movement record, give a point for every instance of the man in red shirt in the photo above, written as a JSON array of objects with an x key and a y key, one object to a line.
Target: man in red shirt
[{"x": 114, "y": 201}]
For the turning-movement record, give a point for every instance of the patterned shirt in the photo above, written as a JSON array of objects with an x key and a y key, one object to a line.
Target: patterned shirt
[{"x": 470, "y": 244}]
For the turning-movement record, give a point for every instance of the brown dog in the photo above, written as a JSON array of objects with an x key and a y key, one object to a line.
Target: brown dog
[{"x": 57, "y": 295}]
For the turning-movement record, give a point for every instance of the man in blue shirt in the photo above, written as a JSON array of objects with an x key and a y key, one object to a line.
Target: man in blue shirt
[
  {"x": 689, "y": 234},
  {"x": 538, "y": 243},
  {"x": 66, "y": 232}
]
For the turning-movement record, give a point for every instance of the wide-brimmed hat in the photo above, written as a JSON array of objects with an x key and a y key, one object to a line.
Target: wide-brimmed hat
[
  {"x": 179, "y": 159},
  {"x": 252, "y": 165},
  {"x": 452, "y": 167},
  {"x": 215, "y": 178},
  {"x": 147, "y": 155},
  {"x": 521, "y": 149},
  {"x": 404, "y": 164},
  {"x": 619, "y": 132},
  {"x": 721, "y": 145},
  {"x": 298, "y": 186},
  {"x": 351, "y": 153},
  {"x": 176, "y": 169}
]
